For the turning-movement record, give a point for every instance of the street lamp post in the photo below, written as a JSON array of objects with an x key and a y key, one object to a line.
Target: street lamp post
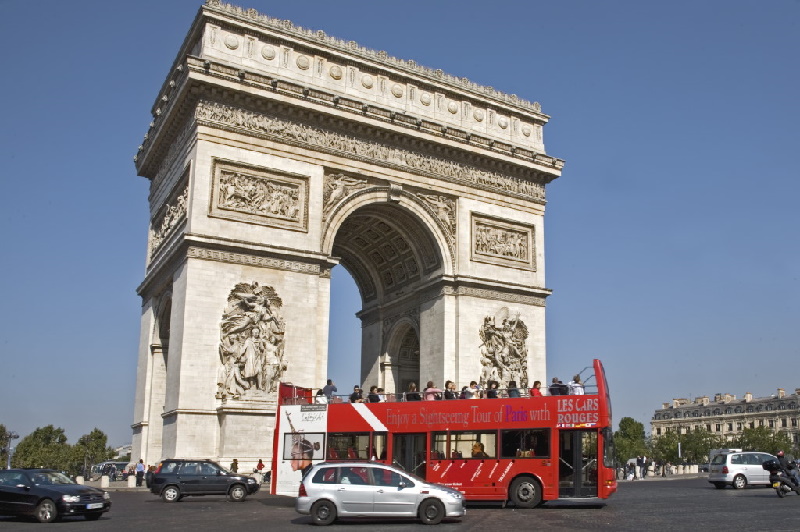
[{"x": 11, "y": 436}]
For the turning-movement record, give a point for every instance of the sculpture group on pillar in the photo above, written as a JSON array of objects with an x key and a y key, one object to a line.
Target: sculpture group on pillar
[
  {"x": 251, "y": 343},
  {"x": 504, "y": 356}
]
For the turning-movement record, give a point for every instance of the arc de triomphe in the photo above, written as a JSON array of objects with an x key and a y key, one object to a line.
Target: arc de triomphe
[{"x": 276, "y": 153}]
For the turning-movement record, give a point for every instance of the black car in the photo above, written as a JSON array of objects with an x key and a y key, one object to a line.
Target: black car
[
  {"x": 175, "y": 479},
  {"x": 48, "y": 495}
]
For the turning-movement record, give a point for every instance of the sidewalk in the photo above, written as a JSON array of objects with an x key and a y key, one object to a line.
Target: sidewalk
[{"x": 117, "y": 485}]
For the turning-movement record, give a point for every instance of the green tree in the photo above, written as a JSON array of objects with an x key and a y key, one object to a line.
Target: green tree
[
  {"x": 3, "y": 445},
  {"x": 664, "y": 448},
  {"x": 696, "y": 445},
  {"x": 629, "y": 440},
  {"x": 44, "y": 447},
  {"x": 763, "y": 439},
  {"x": 90, "y": 449}
]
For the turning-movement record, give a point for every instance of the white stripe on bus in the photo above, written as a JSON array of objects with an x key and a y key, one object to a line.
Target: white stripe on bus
[{"x": 370, "y": 418}]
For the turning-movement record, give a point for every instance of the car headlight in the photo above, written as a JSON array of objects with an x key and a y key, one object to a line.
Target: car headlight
[
  {"x": 251, "y": 481},
  {"x": 71, "y": 498},
  {"x": 106, "y": 496}
]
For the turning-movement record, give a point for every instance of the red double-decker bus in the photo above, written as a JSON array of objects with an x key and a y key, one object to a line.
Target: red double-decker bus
[{"x": 526, "y": 450}]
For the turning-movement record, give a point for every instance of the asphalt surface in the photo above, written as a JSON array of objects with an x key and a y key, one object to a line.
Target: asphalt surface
[{"x": 678, "y": 503}]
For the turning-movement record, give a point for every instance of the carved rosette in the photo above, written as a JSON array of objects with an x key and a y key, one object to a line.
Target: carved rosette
[
  {"x": 337, "y": 188},
  {"x": 164, "y": 224},
  {"x": 504, "y": 355},
  {"x": 251, "y": 347}
]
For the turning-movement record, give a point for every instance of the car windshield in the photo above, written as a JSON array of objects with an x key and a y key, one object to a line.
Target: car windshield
[{"x": 45, "y": 478}]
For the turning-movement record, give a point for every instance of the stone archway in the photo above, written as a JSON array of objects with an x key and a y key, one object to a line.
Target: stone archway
[{"x": 275, "y": 153}]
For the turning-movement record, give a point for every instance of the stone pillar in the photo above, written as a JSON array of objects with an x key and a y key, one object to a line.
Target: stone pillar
[
  {"x": 79, "y": 480},
  {"x": 131, "y": 481},
  {"x": 104, "y": 481}
]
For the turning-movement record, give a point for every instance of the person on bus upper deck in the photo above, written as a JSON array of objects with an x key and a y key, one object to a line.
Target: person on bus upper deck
[
  {"x": 465, "y": 393},
  {"x": 329, "y": 389},
  {"x": 536, "y": 390},
  {"x": 576, "y": 386},
  {"x": 478, "y": 450},
  {"x": 381, "y": 396},
  {"x": 555, "y": 388},
  {"x": 412, "y": 394},
  {"x": 373, "y": 396},
  {"x": 513, "y": 391},
  {"x": 357, "y": 396},
  {"x": 432, "y": 393},
  {"x": 450, "y": 390},
  {"x": 475, "y": 390},
  {"x": 491, "y": 392}
]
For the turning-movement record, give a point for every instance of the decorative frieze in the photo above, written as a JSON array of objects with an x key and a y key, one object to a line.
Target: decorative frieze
[
  {"x": 171, "y": 215},
  {"x": 231, "y": 257},
  {"x": 272, "y": 127},
  {"x": 502, "y": 242},
  {"x": 259, "y": 195}
]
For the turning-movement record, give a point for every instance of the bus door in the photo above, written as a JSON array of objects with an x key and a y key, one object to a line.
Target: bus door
[
  {"x": 577, "y": 463},
  {"x": 409, "y": 451}
]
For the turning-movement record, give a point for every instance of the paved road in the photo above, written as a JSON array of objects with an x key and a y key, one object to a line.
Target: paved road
[{"x": 685, "y": 504}]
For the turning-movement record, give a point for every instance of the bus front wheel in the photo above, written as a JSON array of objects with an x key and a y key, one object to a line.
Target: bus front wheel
[{"x": 526, "y": 492}]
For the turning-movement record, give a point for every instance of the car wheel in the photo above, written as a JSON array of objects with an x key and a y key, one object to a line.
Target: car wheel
[
  {"x": 237, "y": 493},
  {"x": 739, "y": 482},
  {"x": 719, "y": 485},
  {"x": 323, "y": 512},
  {"x": 171, "y": 494},
  {"x": 46, "y": 512},
  {"x": 93, "y": 516},
  {"x": 431, "y": 511},
  {"x": 525, "y": 492}
]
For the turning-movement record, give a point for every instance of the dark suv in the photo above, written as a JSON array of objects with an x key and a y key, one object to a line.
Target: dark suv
[{"x": 175, "y": 479}]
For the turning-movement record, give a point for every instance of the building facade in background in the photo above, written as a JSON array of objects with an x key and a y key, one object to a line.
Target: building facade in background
[
  {"x": 275, "y": 153},
  {"x": 728, "y": 416}
]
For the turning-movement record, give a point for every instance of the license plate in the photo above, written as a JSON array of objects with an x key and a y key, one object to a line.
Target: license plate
[
  {"x": 776, "y": 484},
  {"x": 94, "y": 506}
]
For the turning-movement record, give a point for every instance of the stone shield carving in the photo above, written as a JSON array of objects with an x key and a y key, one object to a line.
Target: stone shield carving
[
  {"x": 251, "y": 343},
  {"x": 504, "y": 355}
]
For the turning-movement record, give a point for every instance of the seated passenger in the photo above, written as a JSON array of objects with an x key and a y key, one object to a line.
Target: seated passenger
[
  {"x": 513, "y": 391},
  {"x": 373, "y": 396},
  {"x": 477, "y": 450},
  {"x": 412, "y": 394},
  {"x": 431, "y": 392}
]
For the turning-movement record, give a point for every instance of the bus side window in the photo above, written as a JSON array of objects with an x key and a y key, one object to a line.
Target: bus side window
[
  {"x": 438, "y": 445},
  {"x": 474, "y": 444},
  {"x": 530, "y": 443}
]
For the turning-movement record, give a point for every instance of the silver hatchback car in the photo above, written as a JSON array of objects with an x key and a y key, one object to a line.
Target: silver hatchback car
[
  {"x": 738, "y": 469},
  {"x": 369, "y": 489}
]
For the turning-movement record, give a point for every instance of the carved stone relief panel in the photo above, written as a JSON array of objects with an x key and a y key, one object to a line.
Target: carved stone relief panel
[
  {"x": 259, "y": 195},
  {"x": 444, "y": 209},
  {"x": 502, "y": 242},
  {"x": 251, "y": 347},
  {"x": 212, "y": 113},
  {"x": 337, "y": 188},
  {"x": 171, "y": 215},
  {"x": 504, "y": 355}
]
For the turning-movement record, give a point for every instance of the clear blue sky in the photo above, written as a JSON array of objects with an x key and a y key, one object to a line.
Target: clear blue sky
[{"x": 671, "y": 238}]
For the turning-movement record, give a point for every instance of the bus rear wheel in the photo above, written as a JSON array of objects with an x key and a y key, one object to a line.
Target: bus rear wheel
[{"x": 526, "y": 492}]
